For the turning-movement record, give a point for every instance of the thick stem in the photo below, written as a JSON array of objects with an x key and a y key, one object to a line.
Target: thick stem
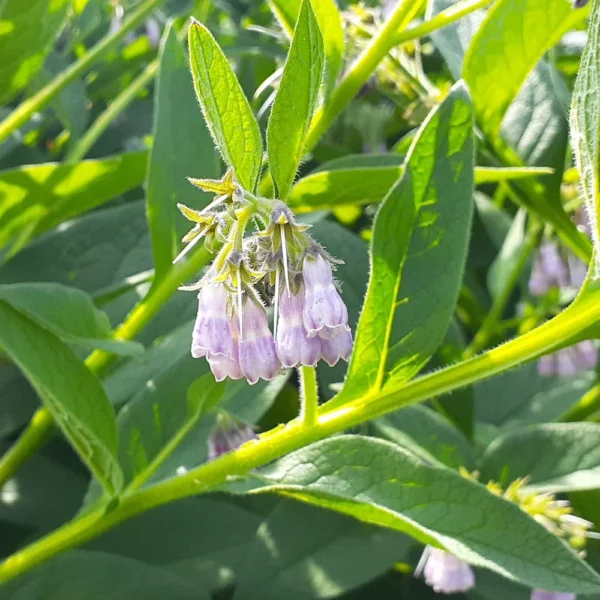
[
  {"x": 309, "y": 396},
  {"x": 331, "y": 419},
  {"x": 28, "y": 107}
]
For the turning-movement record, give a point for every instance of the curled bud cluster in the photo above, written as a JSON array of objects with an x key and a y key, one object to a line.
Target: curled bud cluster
[{"x": 280, "y": 265}]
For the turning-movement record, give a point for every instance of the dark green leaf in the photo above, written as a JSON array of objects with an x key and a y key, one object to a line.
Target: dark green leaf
[
  {"x": 295, "y": 101},
  {"x": 29, "y": 29},
  {"x": 420, "y": 239},
  {"x": 71, "y": 392},
  {"x": 556, "y": 457},
  {"x": 182, "y": 148},
  {"x": 226, "y": 110},
  {"x": 378, "y": 482}
]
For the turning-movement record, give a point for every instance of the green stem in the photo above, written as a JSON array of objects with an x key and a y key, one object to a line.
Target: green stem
[
  {"x": 309, "y": 394},
  {"x": 489, "y": 325},
  {"x": 331, "y": 419},
  {"x": 587, "y": 405},
  {"x": 28, "y": 107},
  {"x": 442, "y": 19},
  {"x": 115, "y": 108},
  {"x": 362, "y": 69},
  {"x": 37, "y": 431}
]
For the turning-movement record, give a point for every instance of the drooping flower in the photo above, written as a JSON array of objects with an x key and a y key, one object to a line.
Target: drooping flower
[
  {"x": 544, "y": 595},
  {"x": 567, "y": 362},
  {"x": 227, "y": 366},
  {"x": 324, "y": 310},
  {"x": 258, "y": 358},
  {"x": 212, "y": 334},
  {"x": 445, "y": 573},
  {"x": 228, "y": 435},
  {"x": 338, "y": 344},
  {"x": 294, "y": 347},
  {"x": 549, "y": 270}
]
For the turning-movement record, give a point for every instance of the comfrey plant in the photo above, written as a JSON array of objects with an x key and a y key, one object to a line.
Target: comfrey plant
[{"x": 278, "y": 265}]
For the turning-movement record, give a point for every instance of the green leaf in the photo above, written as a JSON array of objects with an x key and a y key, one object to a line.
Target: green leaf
[
  {"x": 513, "y": 37},
  {"x": 68, "y": 313},
  {"x": 182, "y": 148},
  {"x": 378, "y": 482},
  {"x": 428, "y": 435},
  {"x": 71, "y": 392},
  {"x": 97, "y": 576},
  {"x": 28, "y": 29},
  {"x": 226, "y": 110},
  {"x": 327, "y": 189},
  {"x": 36, "y": 198},
  {"x": 348, "y": 554},
  {"x": 556, "y": 457},
  {"x": 329, "y": 21},
  {"x": 420, "y": 239},
  {"x": 295, "y": 101},
  {"x": 585, "y": 124}
]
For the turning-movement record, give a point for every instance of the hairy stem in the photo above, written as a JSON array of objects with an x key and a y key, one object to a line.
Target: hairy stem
[{"x": 309, "y": 395}]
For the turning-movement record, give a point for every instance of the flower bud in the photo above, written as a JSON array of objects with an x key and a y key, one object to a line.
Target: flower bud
[
  {"x": 324, "y": 310},
  {"x": 337, "y": 345},
  {"x": 212, "y": 335},
  {"x": 445, "y": 573},
  {"x": 228, "y": 435},
  {"x": 258, "y": 359},
  {"x": 543, "y": 595},
  {"x": 294, "y": 347}
]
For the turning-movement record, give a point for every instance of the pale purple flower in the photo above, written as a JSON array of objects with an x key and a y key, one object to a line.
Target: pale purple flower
[
  {"x": 543, "y": 595},
  {"x": 258, "y": 358},
  {"x": 294, "y": 347},
  {"x": 549, "y": 270},
  {"x": 227, "y": 366},
  {"x": 228, "y": 435},
  {"x": 324, "y": 310},
  {"x": 445, "y": 573},
  {"x": 212, "y": 334},
  {"x": 567, "y": 362},
  {"x": 337, "y": 345}
]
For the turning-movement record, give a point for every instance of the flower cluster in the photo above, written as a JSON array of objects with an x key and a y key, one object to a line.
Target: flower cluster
[{"x": 278, "y": 265}]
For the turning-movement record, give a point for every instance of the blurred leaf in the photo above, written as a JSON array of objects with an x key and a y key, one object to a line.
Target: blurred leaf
[
  {"x": 513, "y": 37},
  {"x": 304, "y": 552},
  {"x": 182, "y": 147},
  {"x": 70, "y": 391},
  {"x": 495, "y": 221},
  {"x": 226, "y": 110},
  {"x": 556, "y": 457},
  {"x": 585, "y": 123},
  {"x": 378, "y": 482},
  {"x": 295, "y": 101},
  {"x": 97, "y": 576},
  {"x": 68, "y": 313},
  {"x": 420, "y": 239},
  {"x": 28, "y": 29},
  {"x": 18, "y": 400},
  {"x": 38, "y": 197},
  {"x": 329, "y": 21},
  {"x": 427, "y": 435}
]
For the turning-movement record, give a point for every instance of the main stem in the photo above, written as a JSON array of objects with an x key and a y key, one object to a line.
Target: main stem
[
  {"x": 28, "y": 107},
  {"x": 574, "y": 320}
]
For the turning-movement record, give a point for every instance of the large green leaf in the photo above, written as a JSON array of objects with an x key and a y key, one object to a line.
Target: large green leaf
[
  {"x": 557, "y": 457},
  {"x": 420, "y": 239},
  {"x": 96, "y": 576},
  {"x": 28, "y": 29},
  {"x": 182, "y": 147},
  {"x": 513, "y": 37},
  {"x": 226, "y": 110},
  {"x": 348, "y": 554},
  {"x": 67, "y": 312},
  {"x": 378, "y": 482},
  {"x": 585, "y": 124},
  {"x": 330, "y": 23},
  {"x": 295, "y": 101},
  {"x": 38, "y": 197},
  {"x": 71, "y": 392}
]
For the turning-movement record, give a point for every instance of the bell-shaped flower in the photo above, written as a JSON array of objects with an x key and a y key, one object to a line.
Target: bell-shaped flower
[
  {"x": 228, "y": 435},
  {"x": 549, "y": 270},
  {"x": 212, "y": 334},
  {"x": 227, "y": 366},
  {"x": 294, "y": 347},
  {"x": 338, "y": 344},
  {"x": 258, "y": 358},
  {"x": 324, "y": 310},
  {"x": 445, "y": 573},
  {"x": 543, "y": 595}
]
